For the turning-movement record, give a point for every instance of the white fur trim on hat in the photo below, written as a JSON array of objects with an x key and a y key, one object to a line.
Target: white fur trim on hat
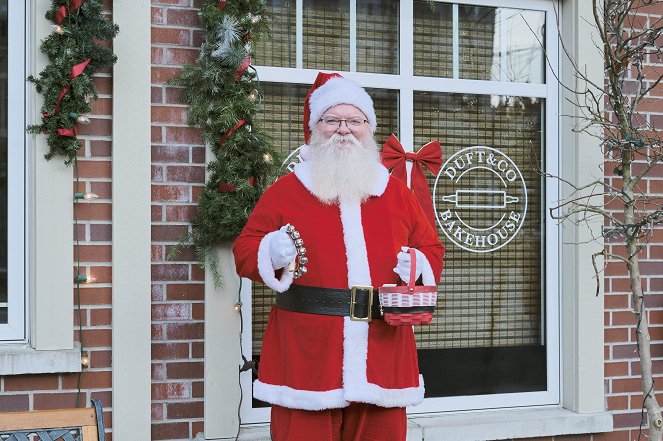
[{"x": 340, "y": 91}]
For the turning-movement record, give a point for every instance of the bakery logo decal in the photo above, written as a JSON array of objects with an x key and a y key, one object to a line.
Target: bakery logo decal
[{"x": 480, "y": 199}]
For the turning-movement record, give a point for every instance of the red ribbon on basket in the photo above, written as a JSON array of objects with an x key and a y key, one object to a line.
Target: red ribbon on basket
[{"x": 429, "y": 156}]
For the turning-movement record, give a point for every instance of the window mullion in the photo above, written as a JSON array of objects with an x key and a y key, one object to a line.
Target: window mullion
[
  {"x": 406, "y": 61},
  {"x": 455, "y": 44},
  {"x": 353, "y": 35},
  {"x": 299, "y": 37}
]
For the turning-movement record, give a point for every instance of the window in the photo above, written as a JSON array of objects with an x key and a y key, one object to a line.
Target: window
[
  {"x": 12, "y": 176},
  {"x": 473, "y": 75}
]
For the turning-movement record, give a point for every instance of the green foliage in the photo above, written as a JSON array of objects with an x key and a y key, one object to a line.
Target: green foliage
[
  {"x": 84, "y": 29},
  {"x": 219, "y": 96}
]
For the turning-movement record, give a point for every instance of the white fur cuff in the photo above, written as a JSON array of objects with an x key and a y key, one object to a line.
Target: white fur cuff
[{"x": 266, "y": 270}]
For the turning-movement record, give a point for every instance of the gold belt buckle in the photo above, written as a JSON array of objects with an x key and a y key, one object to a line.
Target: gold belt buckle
[{"x": 353, "y": 301}]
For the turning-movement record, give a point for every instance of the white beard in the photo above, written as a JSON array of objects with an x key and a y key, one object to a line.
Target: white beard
[{"x": 343, "y": 170}]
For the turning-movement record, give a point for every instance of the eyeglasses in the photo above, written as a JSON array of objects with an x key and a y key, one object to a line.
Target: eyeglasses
[{"x": 336, "y": 122}]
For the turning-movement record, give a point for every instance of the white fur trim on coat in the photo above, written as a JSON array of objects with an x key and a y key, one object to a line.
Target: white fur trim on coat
[
  {"x": 303, "y": 173},
  {"x": 340, "y": 91},
  {"x": 299, "y": 399},
  {"x": 266, "y": 270}
]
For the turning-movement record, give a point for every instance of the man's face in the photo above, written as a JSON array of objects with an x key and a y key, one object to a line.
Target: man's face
[{"x": 343, "y": 119}]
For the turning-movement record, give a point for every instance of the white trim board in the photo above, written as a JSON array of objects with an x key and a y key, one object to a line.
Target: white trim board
[{"x": 131, "y": 222}]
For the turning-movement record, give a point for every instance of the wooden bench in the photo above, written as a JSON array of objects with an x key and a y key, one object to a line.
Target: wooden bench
[{"x": 85, "y": 424}]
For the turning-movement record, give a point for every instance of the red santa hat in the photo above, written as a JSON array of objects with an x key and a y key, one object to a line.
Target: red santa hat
[{"x": 329, "y": 90}]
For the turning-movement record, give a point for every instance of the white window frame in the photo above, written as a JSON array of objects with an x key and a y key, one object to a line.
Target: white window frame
[
  {"x": 407, "y": 83},
  {"x": 15, "y": 330}
]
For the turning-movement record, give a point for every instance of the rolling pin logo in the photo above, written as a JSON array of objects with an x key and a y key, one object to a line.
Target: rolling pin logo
[{"x": 480, "y": 199}]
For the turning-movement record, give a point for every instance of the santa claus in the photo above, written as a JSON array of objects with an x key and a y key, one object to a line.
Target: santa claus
[{"x": 331, "y": 368}]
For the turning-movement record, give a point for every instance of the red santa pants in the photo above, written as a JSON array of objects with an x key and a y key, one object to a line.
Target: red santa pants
[{"x": 357, "y": 422}]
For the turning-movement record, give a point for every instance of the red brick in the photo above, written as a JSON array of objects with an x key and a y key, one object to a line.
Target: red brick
[
  {"x": 191, "y": 409},
  {"x": 621, "y": 420},
  {"x": 102, "y": 274},
  {"x": 611, "y": 436},
  {"x": 94, "y": 253},
  {"x": 182, "y": 173},
  {"x": 198, "y": 389},
  {"x": 185, "y": 331},
  {"x": 183, "y": 135},
  {"x": 158, "y": 332},
  {"x": 55, "y": 401},
  {"x": 155, "y": 134},
  {"x": 157, "y": 173},
  {"x": 158, "y": 371},
  {"x": 178, "y": 56},
  {"x": 624, "y": 351},
  {"x": 168, "y": 233},
  {"x": 198, "y": 155},
  {"x": 618, "y": 369},
  {"x": 180, "y": 213},
  {"x": 30, "y": 382},
  {"x": 97, "y": 126},
  {"x": 171, "y": 391},
  {"x": 171, "y": 2},
  {"x": 169, "y": 114},
  {"x": 101, "y": 317},
  {"x": 168, "y": 272},
  {"x": 173, "y": 95},
  {"x": 197, "y": 273},
  {"x": 180, "y": 37},
  {"x": 106, "y": 398},
  {"x": 171, "y": 311},
  {"x": 157, "y": 292},
  {"x": 94, "y": 211},
  {"x": 170, "y": 351},
  {"x": 619, "y": 402},
  {"x": 96, "y": 296},
  {"x": 198, "y": 311},
  {"x": 185, "y": 369},
  {"x": 198, "y": 349},
  {"x": 185, "y": 291},
  {"x": 158, "y": 410},
  {"x": 101, "y": 232},
  {"x": 622, "y": 318},
  {"x": 104, "y": 85},
  {"x": 620, "y": 301},
  {"x": 157, "y": 213},
  {"x": 573, "y": 438},
  {"x": 102, "y": 189},
  {"x": 178, "y": 430},
  {"x": 97, "y": 337},
  {"x": 162, "y": 75},
  {"x": 622, "y": 385},
  {"x": 170, "y": 154},
  {"x": 89, "y": 380},
  {"x": 157, "y": 15},
  {"x": 183, "y": 17},
  {"x": 101, "y": 359},
  {"x": 94, "y": 169},
  {"x": 171, "y": 193},
  {"x": 102, "y": 106},
  {"x": 157, "y": 56},
  {"x": 616, "y": 335},
  {"x": 157, "y": 252},
  {"x": 157, "y": 95}
]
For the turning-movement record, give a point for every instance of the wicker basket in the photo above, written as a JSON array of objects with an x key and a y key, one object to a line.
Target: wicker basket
[{"x": 409, "y": 304}]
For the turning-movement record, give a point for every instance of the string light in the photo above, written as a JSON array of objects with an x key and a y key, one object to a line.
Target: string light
[
  {"x": 60, "y": 30},
  {"x": 85, "y": 360},
  {"x": 84, "y": 278},
  {"x": 85, "y": 195},
  {"x": 253, "y": 96},
  {"x": 267, "y": 157},
  {"x": 81, "y": 119},
  {"x": 237, "y": 307}
]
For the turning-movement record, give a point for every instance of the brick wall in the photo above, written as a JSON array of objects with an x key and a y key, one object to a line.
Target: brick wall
[
  {"x": 51, "y": 391},
  {"x": 178, "y": 175}
]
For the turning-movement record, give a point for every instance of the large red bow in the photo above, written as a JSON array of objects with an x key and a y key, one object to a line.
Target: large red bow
[{"x": 429, "y": 156}]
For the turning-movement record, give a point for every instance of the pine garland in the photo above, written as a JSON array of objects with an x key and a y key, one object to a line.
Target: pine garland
[
  {"x": 75, "y": 54},
  {"x": 223, "y": 94}
]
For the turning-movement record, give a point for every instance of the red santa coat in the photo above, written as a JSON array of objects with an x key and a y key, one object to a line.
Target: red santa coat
[{"x": 315, "y": 362}]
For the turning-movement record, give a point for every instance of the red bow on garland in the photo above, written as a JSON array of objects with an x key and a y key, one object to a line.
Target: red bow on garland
[
  {"x": 429, "y": 156},
  {"x": 61, "y": 13}
]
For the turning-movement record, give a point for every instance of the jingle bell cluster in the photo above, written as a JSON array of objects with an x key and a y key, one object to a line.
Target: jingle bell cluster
[{"x": 302, "y": 260}]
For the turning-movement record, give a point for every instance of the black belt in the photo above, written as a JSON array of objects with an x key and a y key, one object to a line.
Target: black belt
[{"x": 353, "y": 303}]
